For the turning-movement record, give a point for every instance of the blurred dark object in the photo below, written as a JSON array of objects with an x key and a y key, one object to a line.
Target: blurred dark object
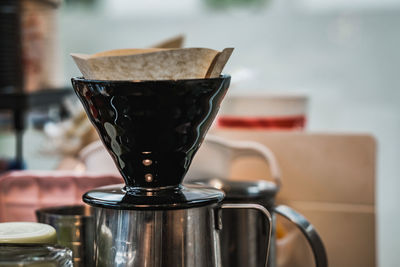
[
  {"x": 29, "y": 65},
  {"x": 29, "y": 48},
  {"x": 6, "y": 120},
  {"x": 26, "y": 101},
  {"x": 11, "y": 164},
  {"x": 21, "y": 102},
  {"x": 11, "y": 77}
]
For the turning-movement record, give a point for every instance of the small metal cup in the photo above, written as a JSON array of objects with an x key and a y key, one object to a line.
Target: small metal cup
[{"x": 74, "y": 226}]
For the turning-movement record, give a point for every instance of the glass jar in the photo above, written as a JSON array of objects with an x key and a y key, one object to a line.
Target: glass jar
[{"x": 34, "y": 255}]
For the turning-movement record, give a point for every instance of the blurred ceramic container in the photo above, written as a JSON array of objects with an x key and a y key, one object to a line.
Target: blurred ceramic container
[
  {"x": 224, "y": 153},
  {"x": 96, "y": 159},
  {"x": 264, "y": 111}
]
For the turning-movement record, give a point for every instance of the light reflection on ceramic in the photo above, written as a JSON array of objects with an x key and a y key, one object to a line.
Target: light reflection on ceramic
[{"x": 159, "y": 121}]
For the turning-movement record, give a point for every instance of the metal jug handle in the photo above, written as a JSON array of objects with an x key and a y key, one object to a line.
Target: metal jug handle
[
  {"x": 264, "y": 211},
  {"x": 309, "y": 232},
  {"x": 249, "y": 148}
]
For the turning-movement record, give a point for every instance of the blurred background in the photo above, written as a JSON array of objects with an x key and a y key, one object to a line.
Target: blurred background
[{"x": 344, "y": 55}]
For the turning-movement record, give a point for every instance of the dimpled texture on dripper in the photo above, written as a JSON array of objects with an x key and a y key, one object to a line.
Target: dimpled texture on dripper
[{"x": 161, "y": 122}]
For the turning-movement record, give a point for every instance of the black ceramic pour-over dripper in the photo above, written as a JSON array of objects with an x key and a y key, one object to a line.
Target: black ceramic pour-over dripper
[{"x": 152, "y": 129}]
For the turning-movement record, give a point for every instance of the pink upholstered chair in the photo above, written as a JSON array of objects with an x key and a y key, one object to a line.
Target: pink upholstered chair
[{"x": 22, "y": 192}]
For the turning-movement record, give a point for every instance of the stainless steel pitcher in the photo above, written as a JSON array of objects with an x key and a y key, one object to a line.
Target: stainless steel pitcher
[{"x": 166, "y": 236}]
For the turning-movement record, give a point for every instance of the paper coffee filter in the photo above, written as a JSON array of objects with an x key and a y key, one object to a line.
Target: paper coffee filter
[
  {"x": 125, "y": 52},
  {"x": 153, "y": 64},
  {"x": 173, "y": 42}
]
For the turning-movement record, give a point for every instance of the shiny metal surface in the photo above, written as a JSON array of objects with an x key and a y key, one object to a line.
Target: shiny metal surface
[
  {"x": 74, "y": 226},
  {"x": 246, "y": 235},
  {"x": 165, "y": 198},
  {"x": 243, "y": 236},
  {"x": 157, "y": 238},
  {"x": 31, "y": 255},
  {"x": 309, "y": 232}
]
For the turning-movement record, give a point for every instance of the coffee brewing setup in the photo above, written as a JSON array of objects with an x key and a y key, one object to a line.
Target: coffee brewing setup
[
  {"x": 152, "y": 109},
  {"x": 152, "y": 129}
]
